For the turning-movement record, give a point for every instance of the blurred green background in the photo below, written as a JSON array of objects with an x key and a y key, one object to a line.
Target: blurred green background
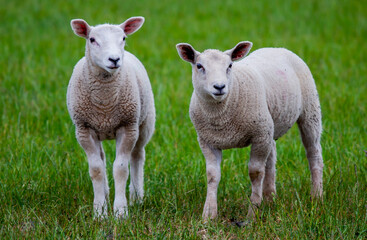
[{"x": 45, "y": 189}]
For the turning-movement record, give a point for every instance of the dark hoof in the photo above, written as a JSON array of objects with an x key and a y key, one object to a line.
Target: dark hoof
[{"x": 240, "y": 224}]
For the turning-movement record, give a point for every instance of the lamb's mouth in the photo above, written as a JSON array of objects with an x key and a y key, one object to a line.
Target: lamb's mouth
[
  {"x": 218, "y": 94},
  {"x": 115, "y": 67}
]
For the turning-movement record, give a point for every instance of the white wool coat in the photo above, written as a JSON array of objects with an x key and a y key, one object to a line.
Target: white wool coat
[
  {"x": 104, "y": 103},
  {"x": 270, "y": 90}
]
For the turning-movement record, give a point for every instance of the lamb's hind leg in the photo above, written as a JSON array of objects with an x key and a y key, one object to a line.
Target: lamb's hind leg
[
  {"x": 137, "y": 175},
  {"x": 103, "y": 157},
  {"x": 269, "y": 189},
  {"x": 125, "y": 141},
  {"x": 138, "y": 159},
  {"x": 310, "y": 127}
]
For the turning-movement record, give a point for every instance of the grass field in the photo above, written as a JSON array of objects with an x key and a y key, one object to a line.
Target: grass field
[{"x": 45, "y": 189}]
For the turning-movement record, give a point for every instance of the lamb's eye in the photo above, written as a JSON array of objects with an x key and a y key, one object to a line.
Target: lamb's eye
[
  {"x": 199, "y": 66},
  {"x": 229, "y": 68},
  {"x": 92, "y": 40}
]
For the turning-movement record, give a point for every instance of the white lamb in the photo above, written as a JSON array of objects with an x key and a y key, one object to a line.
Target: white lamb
[
  {"x": 110, "y": 97},
  {"x": 253, "y": 101}
]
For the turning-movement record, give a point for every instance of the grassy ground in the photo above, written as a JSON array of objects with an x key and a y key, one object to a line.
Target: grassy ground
[{"x": 45, "y": 189}]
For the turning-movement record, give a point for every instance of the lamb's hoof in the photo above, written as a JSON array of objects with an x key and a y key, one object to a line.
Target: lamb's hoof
[
  {"x": 269, "y": 197},
  {"x": 100, "y": 213},
  {"x": 209, "y": 217},
  {"x": 135, "y": 200},
  {"x": 208, "y": 220},
  {"x": 241, "y": 224},
  {"x": 121, "y": 213},
  {"x": 100, "y": 217},
  {"x": 210, "y": 211},
  {"x": 244, "y": 223},
  {"x": 250, "y": 218}
]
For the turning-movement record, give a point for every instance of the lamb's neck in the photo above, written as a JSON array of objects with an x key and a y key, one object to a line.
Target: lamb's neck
[{"x": 103, "y": 87}]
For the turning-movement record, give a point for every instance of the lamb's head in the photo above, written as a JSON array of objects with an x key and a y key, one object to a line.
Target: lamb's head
[
  {"x": 105, "y": 43},
  {"x": 212, "y": 69}
]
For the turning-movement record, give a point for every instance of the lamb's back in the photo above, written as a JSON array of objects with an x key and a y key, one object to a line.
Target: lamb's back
[{"x": 281, "y": 73}]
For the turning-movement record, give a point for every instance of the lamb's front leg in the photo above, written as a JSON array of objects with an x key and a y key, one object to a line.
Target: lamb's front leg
[
  {"x": 125, "y": 142},
  {"x": 256, "y": 168},
  {"x": 97, "y": 168},
  {"x": 213, "y": 158}
]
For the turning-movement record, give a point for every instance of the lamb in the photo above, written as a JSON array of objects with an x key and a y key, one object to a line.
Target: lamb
[
  {"x": 252, "y": 102},
  {"x": 110, "y": 97}
]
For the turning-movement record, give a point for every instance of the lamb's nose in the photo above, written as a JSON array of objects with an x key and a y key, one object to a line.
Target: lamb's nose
[
  {"x": 219, "y": 87},
  {"x": 114, "y": 60}
]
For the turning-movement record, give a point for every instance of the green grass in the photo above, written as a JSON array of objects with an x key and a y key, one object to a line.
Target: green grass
[{"x": 45, "y": 189}]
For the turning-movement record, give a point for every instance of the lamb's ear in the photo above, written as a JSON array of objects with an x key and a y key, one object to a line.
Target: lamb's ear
[
  {"x": 80, "y": 27},
  {"x": 187, "y": 52},
  {"x": 132, "y": 25},
  {"x": 239, "y": 51}
]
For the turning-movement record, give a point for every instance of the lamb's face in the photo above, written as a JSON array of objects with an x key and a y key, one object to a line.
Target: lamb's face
[
  {"x": 106, "y": 44},
  {"x": 212, "y": 75},
  {"x": 212, "y": 69}
]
